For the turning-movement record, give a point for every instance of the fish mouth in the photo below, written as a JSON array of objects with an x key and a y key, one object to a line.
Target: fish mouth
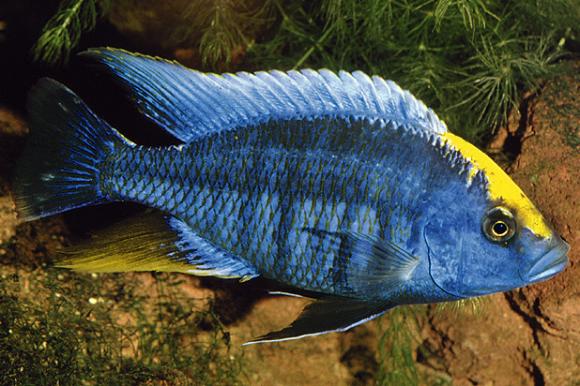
[{"x": 549, "y": 264}]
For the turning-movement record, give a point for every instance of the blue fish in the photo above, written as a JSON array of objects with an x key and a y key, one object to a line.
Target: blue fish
[{"x": 341, "y": 186}]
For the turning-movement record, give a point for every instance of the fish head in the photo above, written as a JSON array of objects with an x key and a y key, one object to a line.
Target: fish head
[{"x": 491, "y": 239}]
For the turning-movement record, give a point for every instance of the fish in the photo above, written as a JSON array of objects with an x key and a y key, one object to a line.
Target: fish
[{"x": 341, "y": 187}]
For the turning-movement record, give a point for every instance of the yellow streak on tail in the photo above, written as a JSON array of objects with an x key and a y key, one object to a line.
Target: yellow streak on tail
[{"x": 143, "y": 243}]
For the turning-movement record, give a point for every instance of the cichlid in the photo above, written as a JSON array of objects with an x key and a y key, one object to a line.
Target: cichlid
[{"x": 340, "y": 185}]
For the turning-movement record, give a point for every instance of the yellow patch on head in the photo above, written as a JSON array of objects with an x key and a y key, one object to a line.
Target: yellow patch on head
[{"x": 501, "y": 187}]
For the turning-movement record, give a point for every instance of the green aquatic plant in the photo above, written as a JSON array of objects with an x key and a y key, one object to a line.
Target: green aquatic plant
[
  {"x": 473, "y": 13},
  {"x": 470, "y": 60},
  {"x": 221, "y": 29},
  {"x": 566, "y": 116},
  {"x": 499, "y": 70},
  {"x": 61, "y": 328},
  {"x": 62, "y": 32},
  {"x": 398, "y": 332},
  {"x": 399, "y": 344}
]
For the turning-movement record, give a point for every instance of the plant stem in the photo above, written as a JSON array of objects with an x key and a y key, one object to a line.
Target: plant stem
[{"x": 310, "y": 50}]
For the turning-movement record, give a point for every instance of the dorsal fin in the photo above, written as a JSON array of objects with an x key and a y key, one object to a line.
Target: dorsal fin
[{"x": 190, "y": 104}]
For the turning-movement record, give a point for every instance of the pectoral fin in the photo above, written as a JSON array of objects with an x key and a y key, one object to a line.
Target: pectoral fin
[
  {"x": 375, "y": 260},
  {"x": 369, "y": 263},
  {"x": 327, "y": 315}
]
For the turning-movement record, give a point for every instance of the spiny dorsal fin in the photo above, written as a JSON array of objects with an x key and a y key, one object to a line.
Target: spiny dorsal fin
[
  {"x": 190, "y": 104},
  {"x": 153, "y": 242}
]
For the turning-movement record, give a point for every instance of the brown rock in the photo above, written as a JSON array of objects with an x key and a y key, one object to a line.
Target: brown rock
[
  {"x": 11, "y": 126},
  {"x": 548, "y": 169}
]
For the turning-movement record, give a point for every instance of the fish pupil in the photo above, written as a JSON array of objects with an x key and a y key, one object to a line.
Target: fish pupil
[{"x": 500, "y": 228}]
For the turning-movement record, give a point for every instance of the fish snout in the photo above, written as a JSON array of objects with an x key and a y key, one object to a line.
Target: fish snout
[{"x": 548, "y": 264}]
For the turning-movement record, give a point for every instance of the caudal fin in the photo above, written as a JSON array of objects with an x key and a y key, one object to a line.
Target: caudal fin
[{"x": 59, "y": 168}]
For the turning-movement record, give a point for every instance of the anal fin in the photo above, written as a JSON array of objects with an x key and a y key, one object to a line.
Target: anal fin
[
  {"x": 327, "y": 315},
  {"x": 154, "y": 242}
]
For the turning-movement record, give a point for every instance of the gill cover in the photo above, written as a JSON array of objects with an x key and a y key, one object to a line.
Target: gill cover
[{"x": 463, "y": 263}]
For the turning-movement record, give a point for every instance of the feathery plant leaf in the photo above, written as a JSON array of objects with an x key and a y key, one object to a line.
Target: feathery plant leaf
[
  {"x": 395, "y": 347},
  {"x": 63, "y": 31},
  {"x": 222, "y": 34},
  {"x": 559, "y": 17},
  {"x": 400, "y": 339},
  {"x": 473, "y": 12},
  {"x": 226, "y": 27},
  {"x": 499, "y": 70}
]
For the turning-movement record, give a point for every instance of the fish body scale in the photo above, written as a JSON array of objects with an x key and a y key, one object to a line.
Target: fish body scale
[{"x": 278, "y": 194}]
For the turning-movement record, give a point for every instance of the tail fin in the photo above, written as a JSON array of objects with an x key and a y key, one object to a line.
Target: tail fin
[{"x": 59, "y": 169}]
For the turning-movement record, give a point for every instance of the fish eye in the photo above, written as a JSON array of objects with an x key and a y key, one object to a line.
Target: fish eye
[{"x": 499, "y": 225}]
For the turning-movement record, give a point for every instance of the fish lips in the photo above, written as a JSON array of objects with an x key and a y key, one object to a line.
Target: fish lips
[
  {"x": 544, "y": 267},
  {"x": 547, "y": 265}
]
